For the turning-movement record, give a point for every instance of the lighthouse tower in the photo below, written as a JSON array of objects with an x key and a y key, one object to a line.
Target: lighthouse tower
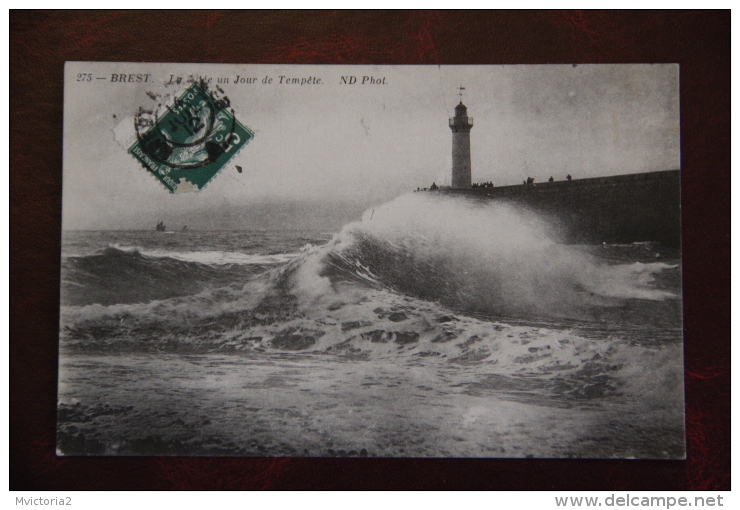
[{"x": 461, "y": 125}]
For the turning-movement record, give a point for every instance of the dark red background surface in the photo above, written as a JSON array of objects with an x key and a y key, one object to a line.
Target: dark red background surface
[{"x": 40, "y": 42}]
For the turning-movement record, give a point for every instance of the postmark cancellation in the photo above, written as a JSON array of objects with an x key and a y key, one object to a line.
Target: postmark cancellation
[{"x": 185, "y": 140}]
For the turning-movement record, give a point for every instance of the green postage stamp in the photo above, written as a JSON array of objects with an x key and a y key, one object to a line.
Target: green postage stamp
[{"x": 186, "y": 143}]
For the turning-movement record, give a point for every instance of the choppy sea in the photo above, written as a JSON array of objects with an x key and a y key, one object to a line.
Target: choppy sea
[{"x": 433, "y": 327}]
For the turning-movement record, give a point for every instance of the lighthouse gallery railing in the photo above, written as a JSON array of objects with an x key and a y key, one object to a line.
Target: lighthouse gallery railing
[{"x": 461, "y": 121}]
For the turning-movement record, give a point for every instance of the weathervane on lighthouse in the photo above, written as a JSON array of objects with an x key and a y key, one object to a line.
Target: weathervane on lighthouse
[{"x": 461, "y": 125}]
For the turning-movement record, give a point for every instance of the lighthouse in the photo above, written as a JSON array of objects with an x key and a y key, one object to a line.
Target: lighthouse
[{"x": 461, "y": 125}]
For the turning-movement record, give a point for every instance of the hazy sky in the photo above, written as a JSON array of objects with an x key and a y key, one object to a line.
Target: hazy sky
[{"x": 324, "y": 153}]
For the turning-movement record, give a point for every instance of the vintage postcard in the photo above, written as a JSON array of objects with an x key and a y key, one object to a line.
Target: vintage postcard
[{"x": 371, "y": 261}]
